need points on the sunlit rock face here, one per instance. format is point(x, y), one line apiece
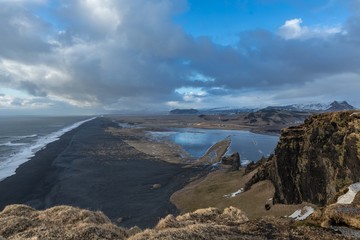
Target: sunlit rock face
point(314, 161)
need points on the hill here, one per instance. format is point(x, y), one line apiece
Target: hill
point(184, 111)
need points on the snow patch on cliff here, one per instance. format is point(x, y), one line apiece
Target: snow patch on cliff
point(348, 197)
point(303, 213)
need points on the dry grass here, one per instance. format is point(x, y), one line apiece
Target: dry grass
point(210, 190)
point(232, 223)
point(164, 150)
point(210, 223)
point(61, 222)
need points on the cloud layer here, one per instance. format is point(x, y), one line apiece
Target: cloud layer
point(130, 55)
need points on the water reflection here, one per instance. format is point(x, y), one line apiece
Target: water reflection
point(251, 146)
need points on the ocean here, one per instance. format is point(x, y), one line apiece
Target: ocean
point(22, 136)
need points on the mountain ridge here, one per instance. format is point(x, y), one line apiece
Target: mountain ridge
point(309, 107)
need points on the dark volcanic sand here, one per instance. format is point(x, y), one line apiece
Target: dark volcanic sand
point(92, 169)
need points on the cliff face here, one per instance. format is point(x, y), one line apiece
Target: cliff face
point(314, 161)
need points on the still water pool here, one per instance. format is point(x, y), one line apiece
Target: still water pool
point(196, 142)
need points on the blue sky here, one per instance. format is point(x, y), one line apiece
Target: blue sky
point(92, 56)
point(224, 20)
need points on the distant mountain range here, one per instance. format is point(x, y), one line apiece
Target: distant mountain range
point(313, 107)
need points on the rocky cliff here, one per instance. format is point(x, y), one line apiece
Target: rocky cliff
point(314, 161)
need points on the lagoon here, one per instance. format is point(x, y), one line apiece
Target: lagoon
point(195, 141)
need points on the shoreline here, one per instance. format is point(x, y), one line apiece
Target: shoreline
point(9, 167)
point(28, 175)
point(90, 168)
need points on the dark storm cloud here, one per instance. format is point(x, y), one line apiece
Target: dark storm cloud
point(32, 89)
point(22, 33)
point(130, 54)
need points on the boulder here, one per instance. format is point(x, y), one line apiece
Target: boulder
point(233, 160)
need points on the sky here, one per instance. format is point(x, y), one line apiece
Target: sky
point(66, 57)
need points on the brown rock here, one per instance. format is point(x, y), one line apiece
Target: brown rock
point(341, 214)
point(338, 215)
point(233, 160)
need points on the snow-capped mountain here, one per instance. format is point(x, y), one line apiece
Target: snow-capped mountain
point(315, 107)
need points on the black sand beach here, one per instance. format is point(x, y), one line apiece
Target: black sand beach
point(90, 168)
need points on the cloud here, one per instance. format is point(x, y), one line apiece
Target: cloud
point(292, 29)
point(326, 89)
point(131, 55)
point(191, 94)
point(11, 102)
point(22, 34)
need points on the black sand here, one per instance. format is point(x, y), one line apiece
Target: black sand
point(92, 169)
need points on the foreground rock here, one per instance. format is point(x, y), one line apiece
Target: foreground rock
point(316, 160)
point(339, 214)
point(64, 222)
point(232, 223)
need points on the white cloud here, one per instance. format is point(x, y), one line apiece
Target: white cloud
point(41, 74)
point(293, 29)
point(27, 103)
point(190, 94)
point(103, 14)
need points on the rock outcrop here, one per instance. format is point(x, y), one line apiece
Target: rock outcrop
point(233, 160)
point(314, 161)
point(68, 223)
point(61, 222)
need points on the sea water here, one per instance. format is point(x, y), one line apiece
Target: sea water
point(251, 146)
point(22, 136)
